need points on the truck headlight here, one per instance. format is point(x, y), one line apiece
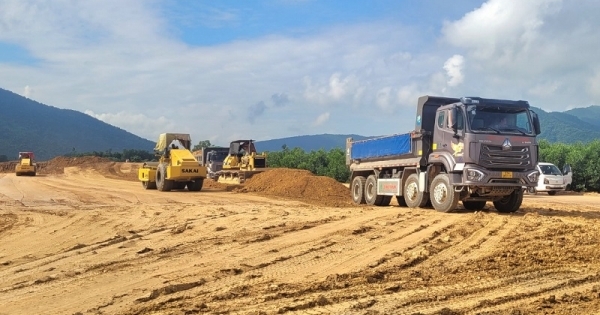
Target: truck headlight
point(533, 176)
point(474, 175)
point(546, 181)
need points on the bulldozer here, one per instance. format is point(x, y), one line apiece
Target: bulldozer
point(26, 165)
point(241, 163)
point(176, 168)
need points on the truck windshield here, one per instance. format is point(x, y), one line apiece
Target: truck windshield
point(218, 156)
point(494, 119)
point(550, 170)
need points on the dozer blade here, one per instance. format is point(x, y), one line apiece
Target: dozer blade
point(237, 177)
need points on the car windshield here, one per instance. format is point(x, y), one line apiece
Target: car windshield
point(494, 119)
point(550, 170)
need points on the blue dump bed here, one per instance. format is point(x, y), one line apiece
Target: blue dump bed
point(399, 144)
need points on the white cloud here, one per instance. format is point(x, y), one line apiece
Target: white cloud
point(122, 59)
point(28, 91)
point(383, 98)
point(453, 67)
point(149, 127)
point(323, 118)
point(539, 50)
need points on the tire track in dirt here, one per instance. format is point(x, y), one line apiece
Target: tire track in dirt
point(479, 243)
point(496, 295)
point(393, 244)
point(463, 298)
point(300, 264)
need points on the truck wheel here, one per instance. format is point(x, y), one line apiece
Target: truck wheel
point(401, 201)
point(510, 203)
point(385, 201)
point(195, 185)
point(371, 196)
point(162, 183)
point(474, 205)
point(552, 193)
point(358, 188)
point(442, 195)
point(412, 196)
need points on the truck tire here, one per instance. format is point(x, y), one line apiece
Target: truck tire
point(195, 185)
point(371, 196)
point(163, 184)
point(442, 195)
point(358, 188)
point(412, 196)
point(474, 205)
point(401, 201)
point(385, 201)
point(510, 203)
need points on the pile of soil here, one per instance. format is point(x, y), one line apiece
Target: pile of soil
point(57, 165)
point(299, 185)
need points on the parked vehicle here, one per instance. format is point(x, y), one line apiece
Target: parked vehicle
point(212, 158)
point(552, 180)
point(568, 174)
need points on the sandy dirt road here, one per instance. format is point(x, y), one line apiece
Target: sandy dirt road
point(82, 243)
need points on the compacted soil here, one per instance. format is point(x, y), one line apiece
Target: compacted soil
point(84, 237)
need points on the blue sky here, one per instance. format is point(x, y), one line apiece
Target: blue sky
point(269, 69)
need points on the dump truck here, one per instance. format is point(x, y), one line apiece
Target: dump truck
point(176, 167)
point(26, 164)
point(212, 158)
point(458, 151)
point(241, 163)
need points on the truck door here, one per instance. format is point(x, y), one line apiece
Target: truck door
point(444, 136)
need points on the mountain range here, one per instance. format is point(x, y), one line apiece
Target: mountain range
point(27, 125)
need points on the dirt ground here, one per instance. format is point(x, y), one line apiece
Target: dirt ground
point(83, 237)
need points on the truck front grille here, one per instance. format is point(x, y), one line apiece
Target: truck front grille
point(493, 157)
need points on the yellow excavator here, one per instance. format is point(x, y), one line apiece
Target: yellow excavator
point(177, 168)
point(26, 165)
point(241, 163)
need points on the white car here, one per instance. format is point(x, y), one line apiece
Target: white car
point(552, 180)
point(568, 174)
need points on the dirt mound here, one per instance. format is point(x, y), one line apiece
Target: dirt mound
point(299, 185)
point(8, 167)
point(57, 165)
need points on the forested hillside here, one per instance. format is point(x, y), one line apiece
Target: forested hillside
point(49, 131)
point(571, 126)
point(27, 125)
point(307, 143)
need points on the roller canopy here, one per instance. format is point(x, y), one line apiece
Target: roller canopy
point(166, 138)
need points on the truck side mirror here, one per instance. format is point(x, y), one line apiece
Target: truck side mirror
point(453, 115)
point(454, 118)
point(536, 123)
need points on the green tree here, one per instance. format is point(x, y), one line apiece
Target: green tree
point(201, 145)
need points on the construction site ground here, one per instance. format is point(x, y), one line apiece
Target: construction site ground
point(84, 237)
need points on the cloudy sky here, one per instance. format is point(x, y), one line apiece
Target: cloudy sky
point(269, 69)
